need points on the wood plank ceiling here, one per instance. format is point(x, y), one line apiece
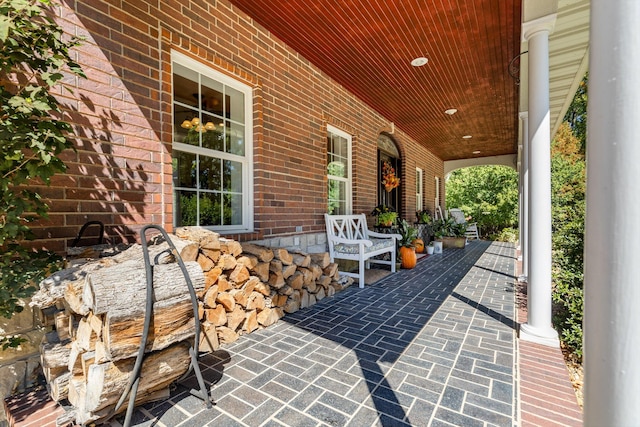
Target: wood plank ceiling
point(367, 46)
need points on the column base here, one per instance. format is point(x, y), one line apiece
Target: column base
point(547, 337)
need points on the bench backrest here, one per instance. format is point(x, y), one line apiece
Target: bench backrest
point(351, 227)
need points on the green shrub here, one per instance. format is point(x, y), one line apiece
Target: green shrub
point(568, 213)
point(507, 234)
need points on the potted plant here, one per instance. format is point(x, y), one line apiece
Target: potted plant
point(423, 216)
point(385, 215)
point(450, 233)
point(408, 257)
point(438, 234)
point(423, 224)
point(430, 248)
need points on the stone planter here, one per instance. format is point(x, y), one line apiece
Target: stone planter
point(454, 242)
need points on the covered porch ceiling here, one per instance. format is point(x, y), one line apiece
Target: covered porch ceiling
point(473, 66)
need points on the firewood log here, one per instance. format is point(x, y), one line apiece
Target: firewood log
point(251, 321)
point(205, 262)
point(59, 386)
point(226, 300)
point(276, 280)
point(228, 246)
point(288, 270)
point(216, 316)
point(269, 316)
point(239, 275)
point(296, 280)
point(227, 335)
point(256, 301)
point(227, 262)
point(206, 239)
point(208, 339)
point(264, 254)
point(322, 259)
point(173, 321)
point(283, 255)
point(261, 270)
point(301, 260)
point(105, 382)
point(128, 292)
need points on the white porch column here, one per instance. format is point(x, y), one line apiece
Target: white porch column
point(524, 226)
point(538, 327)
point(612, 251)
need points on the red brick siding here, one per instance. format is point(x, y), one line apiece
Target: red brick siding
point(121, 172)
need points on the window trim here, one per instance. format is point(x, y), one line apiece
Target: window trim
point(437, 198)
point(247, 225)
point(349, 180)
point(419, 189)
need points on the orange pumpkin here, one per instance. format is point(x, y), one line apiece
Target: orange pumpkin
point(408, 257)
point(419, 245)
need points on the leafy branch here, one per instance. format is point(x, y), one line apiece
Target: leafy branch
point(34, 57)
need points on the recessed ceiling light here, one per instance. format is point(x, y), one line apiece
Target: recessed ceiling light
point(476, 152)
point(419, 62)
point(450, 111)
point(467, 137)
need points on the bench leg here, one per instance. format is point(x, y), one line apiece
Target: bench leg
point(393, 261)
point(361, 274)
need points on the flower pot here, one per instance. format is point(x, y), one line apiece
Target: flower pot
point(430, 250)
point(454, 242)
point(437, 247)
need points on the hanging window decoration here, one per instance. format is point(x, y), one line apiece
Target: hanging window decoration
point(389, 178)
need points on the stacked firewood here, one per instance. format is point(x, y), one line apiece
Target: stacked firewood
point(97, 308)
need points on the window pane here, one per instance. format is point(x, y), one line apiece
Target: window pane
point(337, 197)
point(184, 169)
point(232, 209)
point(232, 176)
point(186, 208)
point(235, 105)
point(212, 133)
point(182, 117)
point(235, 138)
point(210, 178)
point(209, 209)
point(212, 96)
point(337, 168)
point(185, 86)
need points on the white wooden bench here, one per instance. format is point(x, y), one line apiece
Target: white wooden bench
point(349, 238)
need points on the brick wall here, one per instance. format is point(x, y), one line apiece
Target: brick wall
point(121, 171)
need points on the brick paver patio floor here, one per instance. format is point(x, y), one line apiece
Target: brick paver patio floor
point(434, 345)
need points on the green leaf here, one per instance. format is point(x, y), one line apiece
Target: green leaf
point(5, 26)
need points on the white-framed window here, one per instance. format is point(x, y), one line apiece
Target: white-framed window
point(339, 171)
point(436, 202)
point(212, 148)
point(419, 189)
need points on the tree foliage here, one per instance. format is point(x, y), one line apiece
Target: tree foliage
point(576, 115)
point(34, 55)
point(488, 194)
point(568, 188)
